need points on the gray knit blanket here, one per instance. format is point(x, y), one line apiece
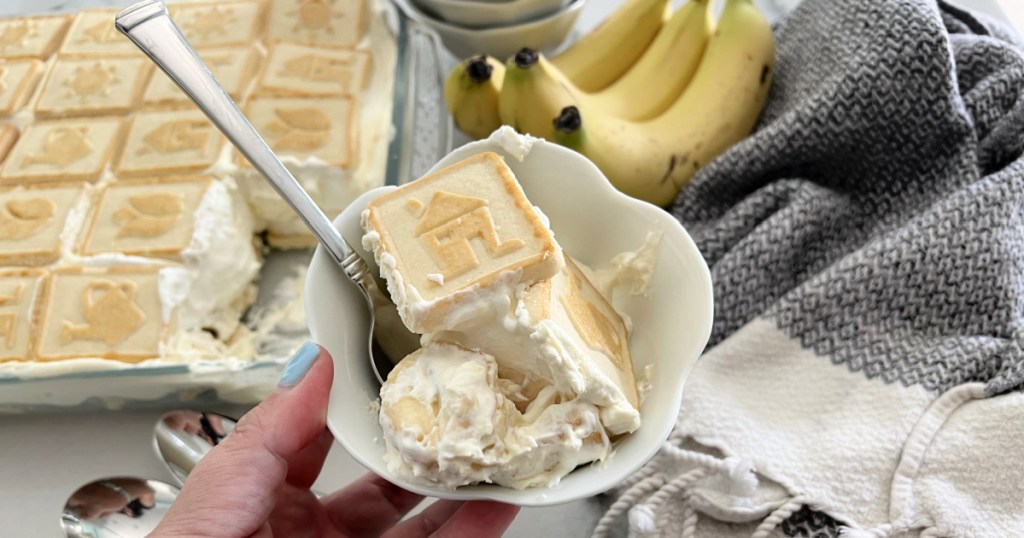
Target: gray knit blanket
point(865, 372)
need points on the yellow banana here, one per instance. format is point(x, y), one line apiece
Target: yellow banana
point(536, 91)
point(471, 92)
point(665, 69)
point(652, 160)
point(603, 55)
point(533, 94)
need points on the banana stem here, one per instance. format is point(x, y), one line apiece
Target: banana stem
point(526, 58)
point(569, 120)
point(478, 69)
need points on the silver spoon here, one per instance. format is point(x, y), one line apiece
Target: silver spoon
point(122, 506)
point(149, 26)
point(182, 438)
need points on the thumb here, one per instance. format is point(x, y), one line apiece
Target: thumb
point(232, 490)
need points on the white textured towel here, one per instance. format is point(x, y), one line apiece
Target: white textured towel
point(865, 373)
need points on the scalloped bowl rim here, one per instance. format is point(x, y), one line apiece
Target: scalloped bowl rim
point(572, 9)
point(336, 313)
point(483, 15)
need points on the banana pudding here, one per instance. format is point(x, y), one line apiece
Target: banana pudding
point(524, 371)
point(129, 226)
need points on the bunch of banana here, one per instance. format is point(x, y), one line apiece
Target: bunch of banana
point(592, 63)
point(471, 93)
point(535, 90)
point(653, 159)
point(602, 56)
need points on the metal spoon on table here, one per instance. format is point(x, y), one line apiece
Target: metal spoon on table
point(182, 438)
point(149, 26)
point(122, 506)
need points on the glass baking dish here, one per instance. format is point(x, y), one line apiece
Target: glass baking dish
point(422, 133)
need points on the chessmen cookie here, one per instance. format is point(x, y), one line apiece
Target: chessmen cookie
point(314, 138)
point(333, 23)
point(200, 224)
point(460, 234)
point(31, 37)
point(570, 310)
point(320, 129)
point(153, 218)
point(92, 32)
point(235, 67)
point(561, 333)
point(215, 24)
point(8, 136)
point(33, 222)
point(110, 313)
point(169, 142)
point(93, 86)
point(19, 292)
point(74, 149)
point(299, 70)
point(18, 80)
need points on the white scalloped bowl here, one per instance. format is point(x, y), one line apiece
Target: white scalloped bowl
point(477, 14)
point(545, 33)
point(593, 222)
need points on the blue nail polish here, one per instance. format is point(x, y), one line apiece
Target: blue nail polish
point(299, 364)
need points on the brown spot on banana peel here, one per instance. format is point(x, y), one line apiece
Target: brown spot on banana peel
point(765, 71)
point(673, 160)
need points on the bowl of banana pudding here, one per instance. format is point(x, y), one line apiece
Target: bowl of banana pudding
point(557, 321)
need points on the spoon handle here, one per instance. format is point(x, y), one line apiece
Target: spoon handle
point(149, 26)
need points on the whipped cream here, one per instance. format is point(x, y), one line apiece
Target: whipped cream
point(450, 420)
point(522, 376)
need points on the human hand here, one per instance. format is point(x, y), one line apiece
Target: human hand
point(256, 481)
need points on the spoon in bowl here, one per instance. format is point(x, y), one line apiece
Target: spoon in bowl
point(123, 506)
point(150, 27)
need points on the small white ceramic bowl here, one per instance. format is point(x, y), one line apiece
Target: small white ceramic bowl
point(593, 222)
point(544, 34)
point(477, 14)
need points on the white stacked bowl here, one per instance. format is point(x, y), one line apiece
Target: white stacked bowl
point(497, 28)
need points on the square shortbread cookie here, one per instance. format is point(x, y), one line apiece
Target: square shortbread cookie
point(302, 128)
point(93, 32)
point(145, 217)
point(93, 86)
point(32, 220)
point(18, 80)
point(19, 293)
point(222, 23)
point(461, 228)
point(335, 23)
point(169, 142)
point(234, 68)
point(572, 302)
point(31, 37)
point(299, 70)
point(76, 149)
point(113, 313)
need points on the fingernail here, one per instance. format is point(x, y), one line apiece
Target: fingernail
point(298, 365)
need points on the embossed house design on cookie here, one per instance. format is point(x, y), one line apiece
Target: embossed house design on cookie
point(465, 226)
point(448, 224)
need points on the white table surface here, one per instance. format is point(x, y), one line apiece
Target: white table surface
point(44, 457)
